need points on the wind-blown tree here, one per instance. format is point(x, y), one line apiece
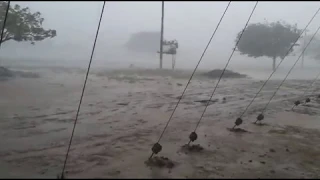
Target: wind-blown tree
point(268, 39)
point(23, 25)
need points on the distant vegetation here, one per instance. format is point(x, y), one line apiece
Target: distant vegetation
point(268, 39)
point(216, 73)
point(22, 25)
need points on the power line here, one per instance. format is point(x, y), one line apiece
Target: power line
point(157, 144)
point(4, 23)
point(314, 83)
point(311, 85)
point(287, 74)
point(193, 133)
point(296, 103)
point(83, 89)
point(278, 65)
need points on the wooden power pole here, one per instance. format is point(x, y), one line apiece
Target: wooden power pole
point(161, 36)
point(304, 45)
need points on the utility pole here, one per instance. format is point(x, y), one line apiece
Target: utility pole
point(304, 44)
point(161, 36)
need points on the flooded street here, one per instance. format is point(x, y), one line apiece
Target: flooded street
point(123, 115)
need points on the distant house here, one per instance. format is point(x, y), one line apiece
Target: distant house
point(146, 42)
point(149, 43)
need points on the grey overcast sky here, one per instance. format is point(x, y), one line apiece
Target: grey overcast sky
point(191, 23)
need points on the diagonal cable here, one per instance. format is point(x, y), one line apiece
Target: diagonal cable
point(311, 85)
point(194, 71)
point(83, 89)
point(4, 23)
point(254, 8)
point(264, 109)
point(278, 64)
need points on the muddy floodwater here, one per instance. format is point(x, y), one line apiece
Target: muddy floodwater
point(123, 115)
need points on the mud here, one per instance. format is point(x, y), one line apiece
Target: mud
point(238, 130)
point(216, 73)
point(120, 120)
point(160, 162)
point(192, 148)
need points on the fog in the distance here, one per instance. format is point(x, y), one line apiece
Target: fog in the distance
point(191, 23)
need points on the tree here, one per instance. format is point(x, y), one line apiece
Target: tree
point(22, 25)
point(268, 39)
